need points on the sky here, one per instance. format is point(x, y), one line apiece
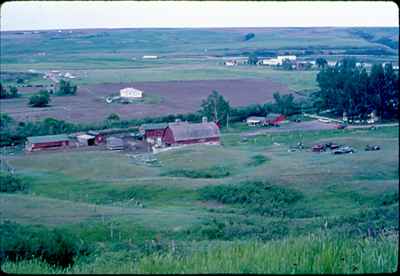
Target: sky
point(40, 15)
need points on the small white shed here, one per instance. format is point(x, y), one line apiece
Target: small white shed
point(131, 92)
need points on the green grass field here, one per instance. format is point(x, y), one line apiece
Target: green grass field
point(90, 193)
point(247, 206)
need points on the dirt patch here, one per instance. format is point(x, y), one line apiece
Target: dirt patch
point(176, 97)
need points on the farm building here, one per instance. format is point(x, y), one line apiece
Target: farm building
point(45, 142)
point(274, 119)
point(255, 121)
point(150, 57)
point(131, 93)
point(153, 131)
point(270, 62)
point(114, 143)
point(183, 133)
point(86, 140)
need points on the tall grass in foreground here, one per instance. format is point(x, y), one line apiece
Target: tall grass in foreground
point(311, 254)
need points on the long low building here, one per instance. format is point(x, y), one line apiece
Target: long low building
point(45, 142)
point(183, 133)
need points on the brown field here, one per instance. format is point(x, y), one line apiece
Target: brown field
point(172, 97)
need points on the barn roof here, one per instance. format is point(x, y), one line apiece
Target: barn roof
point(272, 116)
point(186, 131)
point(47, 138)
point(154, 126)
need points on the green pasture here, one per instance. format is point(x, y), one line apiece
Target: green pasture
point(113, 204)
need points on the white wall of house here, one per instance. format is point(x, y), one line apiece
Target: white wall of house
point(131, 93)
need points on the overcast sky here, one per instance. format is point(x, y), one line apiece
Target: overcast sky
point(36, 15)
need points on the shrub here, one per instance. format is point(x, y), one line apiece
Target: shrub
point(255, 197)
point(211, 172)
point(10, 183)
point(113, 117)
point(257, 160)
point(66, 88)
point(40, 99)
point(56, 247)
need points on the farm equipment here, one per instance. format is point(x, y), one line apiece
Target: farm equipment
point(331, 146)
point(341, 126)
point(372, 147)
point(318, 148)
point(299, 146)
point(343, 150)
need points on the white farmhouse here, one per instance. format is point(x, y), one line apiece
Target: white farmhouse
point(282, 58)
point(131, 93)
point(270, 62)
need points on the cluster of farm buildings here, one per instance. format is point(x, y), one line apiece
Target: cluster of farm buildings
point(161, 135)
point(294, 62)
point(155, 135)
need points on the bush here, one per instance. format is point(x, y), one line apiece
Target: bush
point(40, 99)
point(56, 247)
point(254, 197)
point(11, 93)
point(10, 183)
point(257, 160)
point(211, 172)
point(66, 88)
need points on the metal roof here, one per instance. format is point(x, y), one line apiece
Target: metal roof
point(47, 138)
point(183, 131)
point(154, 126)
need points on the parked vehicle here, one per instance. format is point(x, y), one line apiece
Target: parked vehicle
point(324, 120)
point(331, 145)
point(341, 126)
point(318, 148)
point(372, 147)
point(343, 150)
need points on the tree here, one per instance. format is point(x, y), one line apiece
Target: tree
point(253, 59)
point(321, 62)
point(287, 64)
point(11, 93)
point(216, 108)
point(40, 99)
point(284, 104)
point(347, 88)
point(66, 88)
point(3, 92)
point(113, 117)
point(249, 36)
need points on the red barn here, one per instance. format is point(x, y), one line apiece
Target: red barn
point(153, 131)
point(274, 119)
point(48, 141)
point(182, 133)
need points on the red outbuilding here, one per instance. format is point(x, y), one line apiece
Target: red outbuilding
point(274, 119)
point(181, 133)
point(45, 142)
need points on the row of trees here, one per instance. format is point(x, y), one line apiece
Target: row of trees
point(351, 89)
point(217, 109)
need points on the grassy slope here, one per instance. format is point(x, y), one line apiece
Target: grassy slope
point(311, 254)
point(89, 192)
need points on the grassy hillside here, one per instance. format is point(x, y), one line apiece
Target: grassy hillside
point(319, 253)
point(244, 198)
